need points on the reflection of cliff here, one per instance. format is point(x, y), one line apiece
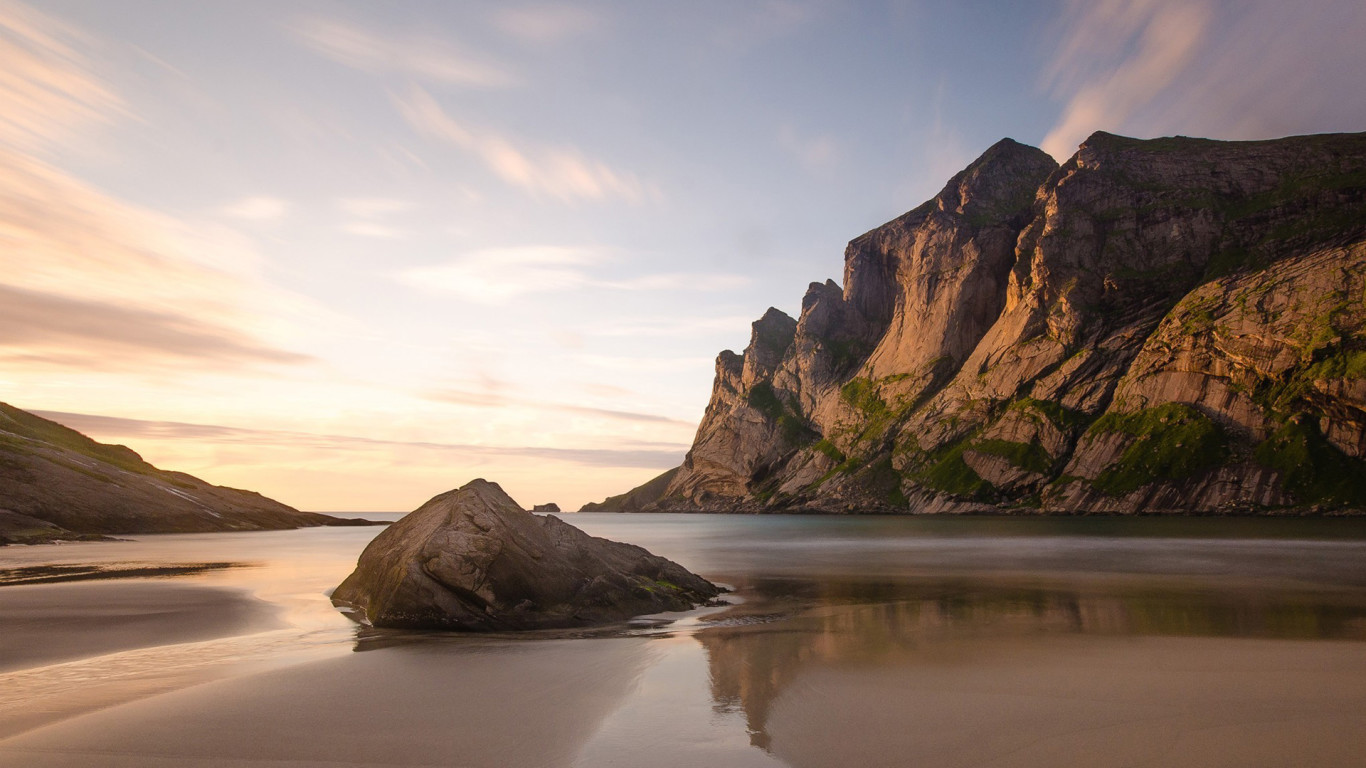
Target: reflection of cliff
point(756, 650)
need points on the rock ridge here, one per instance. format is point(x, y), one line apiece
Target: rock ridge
point(1172, 325)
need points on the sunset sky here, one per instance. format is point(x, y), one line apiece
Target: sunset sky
point(353, 254)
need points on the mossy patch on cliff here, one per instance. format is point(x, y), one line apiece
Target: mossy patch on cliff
point(1171, 442)
point(944, 470)
point(791, 426)
point(1311, 468)
point(1060, 416)
point(1027, 456)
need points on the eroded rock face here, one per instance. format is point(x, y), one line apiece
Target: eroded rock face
point(472, 559)
point(1173, 325)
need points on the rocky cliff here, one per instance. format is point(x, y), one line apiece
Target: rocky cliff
point(56, 483)
point(1174, 325)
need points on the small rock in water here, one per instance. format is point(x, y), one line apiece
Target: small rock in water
point(472, 559)
point(546, 508)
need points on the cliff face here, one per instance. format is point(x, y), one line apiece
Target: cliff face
point(56, 483)
point(1166, 325)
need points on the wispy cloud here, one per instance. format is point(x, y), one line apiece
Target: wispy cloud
point(1245, 70)
point(109, 427)
point(373, 207)
point(424, 56)
point(1115, 58)
point(259, 208)
point(117, 335)
point(373, 229)
point(369, 213)
point(90, 281)
point(497, 275)
point(46, 85)
point(493, 400)
point(563, 173)
point(546, 22)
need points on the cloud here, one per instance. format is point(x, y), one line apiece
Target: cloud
point(110, 427)
point(671, 327)
point(423, 56)
point(48, 92)
point(679, 281)
point(1234, 70)
point(1115, 58)
point(373, 207)
point(494, 400)
point(563, 173)
point(371, 229)
point(497, 275)
point(84, 274)
point(256, 209)
point(107, 335)
point(546, 23)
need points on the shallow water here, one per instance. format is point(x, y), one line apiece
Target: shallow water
point(853, 641)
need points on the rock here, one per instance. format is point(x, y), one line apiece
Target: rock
point(82, 488)
point(472, 559)
point(546, 509)
point(1016, 342)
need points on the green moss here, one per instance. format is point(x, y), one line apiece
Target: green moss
point(828, 448)
point(793, 429)
point(1062, 417)
point(882, 478)
point(1027, 456)
point(1311, 468)
point(944, 470)
point(763, 399)
point(1173, 441)
point(847, 354)
point(861, 394)
point(1293, 391)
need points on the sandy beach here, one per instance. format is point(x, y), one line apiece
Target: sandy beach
point(814, 667)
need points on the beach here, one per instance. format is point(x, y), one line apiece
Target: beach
point(849, 642)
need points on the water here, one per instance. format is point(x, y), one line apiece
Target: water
point(851, 641)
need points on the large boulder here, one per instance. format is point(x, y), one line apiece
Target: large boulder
point(472, 559)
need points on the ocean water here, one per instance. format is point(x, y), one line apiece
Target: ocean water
point(847, 641)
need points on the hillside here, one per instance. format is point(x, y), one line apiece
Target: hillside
point(56, 483)
point(1167, 326)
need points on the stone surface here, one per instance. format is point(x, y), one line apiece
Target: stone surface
point(81, 488)
point(472, 559)
point(1171, 325)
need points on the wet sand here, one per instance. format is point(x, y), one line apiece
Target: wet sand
point(59, 622)
point(487, 705)
point(1198, 702)
point(1042, 701)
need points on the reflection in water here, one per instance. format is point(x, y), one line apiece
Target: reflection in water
point(755, 650)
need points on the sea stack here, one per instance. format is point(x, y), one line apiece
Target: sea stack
point(473, 560)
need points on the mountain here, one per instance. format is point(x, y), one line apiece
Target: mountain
point(56, 483)
point(1174, 325)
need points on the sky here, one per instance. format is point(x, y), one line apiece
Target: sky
point(353, 254)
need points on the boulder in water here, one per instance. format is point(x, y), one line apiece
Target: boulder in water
point(472, 559)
